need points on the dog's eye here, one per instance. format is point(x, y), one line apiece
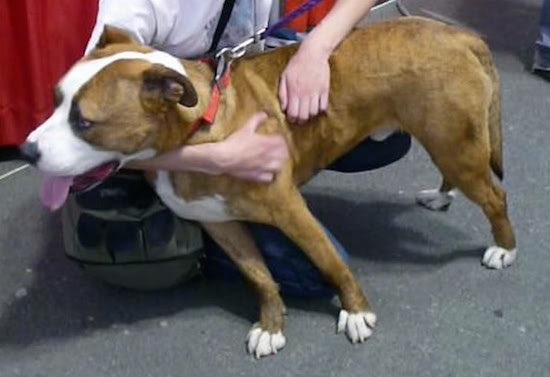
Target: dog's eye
point(83, 124)
point(77, 121)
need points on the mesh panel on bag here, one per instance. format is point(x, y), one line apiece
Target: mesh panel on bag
point(121, 233)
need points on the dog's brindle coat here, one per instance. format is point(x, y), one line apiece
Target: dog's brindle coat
point(432, 80)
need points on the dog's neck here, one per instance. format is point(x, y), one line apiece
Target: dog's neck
point(178, 130)
point(252, 77)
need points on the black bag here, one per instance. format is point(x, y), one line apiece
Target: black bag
point(121, 232)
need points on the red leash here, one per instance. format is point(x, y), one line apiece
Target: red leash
point(225, 56)
point(209, 115)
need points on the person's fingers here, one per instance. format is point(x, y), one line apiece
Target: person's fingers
point(255, 121)
point(284, 153)
point(283, 94)
point(314, 104)
point(293, 109)
point(256, 176)
point(266, 177)
point(323, 102)
point(275, 160)
point(303, 114)
point(274, 165)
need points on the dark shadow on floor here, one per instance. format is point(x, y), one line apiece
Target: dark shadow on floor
point(61, 300)
point(372, 230)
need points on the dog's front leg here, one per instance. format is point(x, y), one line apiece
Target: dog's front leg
point(296, 221)
point(266, 337)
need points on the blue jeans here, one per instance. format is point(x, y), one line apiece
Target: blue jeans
point(542, 45)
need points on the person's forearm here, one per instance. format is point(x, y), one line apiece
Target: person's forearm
point(244, 154)
point(344, 15)
point(196, 158)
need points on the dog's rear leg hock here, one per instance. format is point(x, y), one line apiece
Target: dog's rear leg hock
point(504, 252)
point(266, 337)
point(437, 199)
point(356, 318)
point(479, 187)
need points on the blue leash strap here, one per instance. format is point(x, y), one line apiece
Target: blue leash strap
point(306, 6)
point(230, 53)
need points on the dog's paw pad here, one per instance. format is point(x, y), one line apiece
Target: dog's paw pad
point(357, 326)
point(498, 258)
point(435, 200)
point(263, 343)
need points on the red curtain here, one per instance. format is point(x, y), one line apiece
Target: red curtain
point(39, 41)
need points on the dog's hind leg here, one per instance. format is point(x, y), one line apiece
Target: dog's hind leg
point(356, 318)
point(469, 170)
point(492, 200)
point(437, 199)
point(266, 337)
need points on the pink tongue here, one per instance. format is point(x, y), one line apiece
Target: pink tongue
point(54, 191)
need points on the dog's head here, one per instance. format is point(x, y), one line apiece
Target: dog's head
point(110, 107)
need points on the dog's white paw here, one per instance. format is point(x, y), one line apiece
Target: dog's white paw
point(262, 343)
point(435, 200)
point(498, 258)
point(358, 326)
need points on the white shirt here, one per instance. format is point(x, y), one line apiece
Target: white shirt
point(183, 28)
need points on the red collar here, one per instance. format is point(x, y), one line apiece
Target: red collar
point(209, 114)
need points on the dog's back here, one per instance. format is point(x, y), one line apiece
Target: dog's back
point(378, 75)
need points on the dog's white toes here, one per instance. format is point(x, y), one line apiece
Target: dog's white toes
point(358, 326)
point(498, 258)
point(262, 343)
point(435, 200)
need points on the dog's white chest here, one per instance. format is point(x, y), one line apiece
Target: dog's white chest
point(207, 209)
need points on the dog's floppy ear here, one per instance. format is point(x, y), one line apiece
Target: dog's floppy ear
point(163, 86)
point(113, 35)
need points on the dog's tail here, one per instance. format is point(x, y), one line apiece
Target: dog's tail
point(483, 54)
point(495, 123)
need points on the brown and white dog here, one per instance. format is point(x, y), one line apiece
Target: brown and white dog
point(125, 101)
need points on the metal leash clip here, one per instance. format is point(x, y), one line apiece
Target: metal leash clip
point(223, 61)
point(226, 55)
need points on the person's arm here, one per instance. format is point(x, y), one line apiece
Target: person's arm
point(244, 154)
point(304, 86)
point(136, 17)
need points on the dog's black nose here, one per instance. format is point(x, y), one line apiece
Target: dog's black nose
point(29, 152)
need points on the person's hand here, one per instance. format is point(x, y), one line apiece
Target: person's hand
point(304, 85)
point(249, 155)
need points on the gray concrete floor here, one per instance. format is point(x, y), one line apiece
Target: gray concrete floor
point(440, 313)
